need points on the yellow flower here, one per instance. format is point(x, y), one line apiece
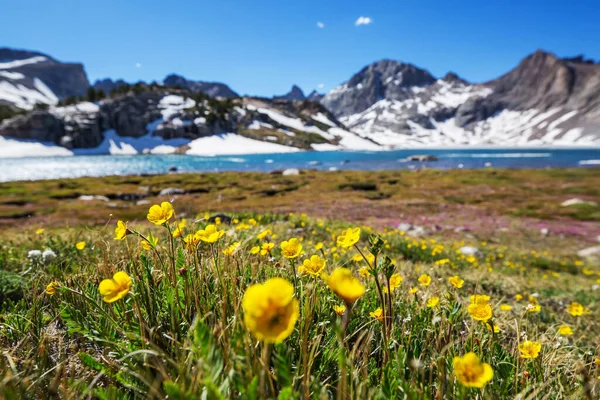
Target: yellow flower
point(264, 234)
point(480, 299)
point(413, 290)
point(472, 372)
point(146, 245)
point(51, 288)
point(533, 308)
point(345, 285)
point(377, 314)
point(121, 230)
point(480, 311)
point(80, 245)
point(456, 281)
point(395, 281)
point(597, 361)
point(266, 248)
point(210, 234)
point(339, 310)
point(575, 309)
point(178, 232)
point(505, 307)
point(357, 258)
point(291, 248)
point(319, 246)
point(349, 237)
point(312, 266)
point(115, 288)
point(159, 215)
point(39, 231)
point(270, 310)
point(530, 349)
point(518, 297)
point(565, 330)
point(191, 239)
point(364, 272)
point(255, 250)
point(229, 250)
point(432, 302)
point(494, 328)
point(425, 280)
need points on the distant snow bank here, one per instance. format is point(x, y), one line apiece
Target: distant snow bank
point(230, 143)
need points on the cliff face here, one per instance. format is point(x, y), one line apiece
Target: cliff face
point(28, 78)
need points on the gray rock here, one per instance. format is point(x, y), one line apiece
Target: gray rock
point(470, 251)
point(422, 158)
point(590, 253)
point(291, 171)
point(171, 191)
point(576, 201)
point(93, 197)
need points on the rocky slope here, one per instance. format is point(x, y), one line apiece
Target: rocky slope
point(543, 101)
point(28, 78)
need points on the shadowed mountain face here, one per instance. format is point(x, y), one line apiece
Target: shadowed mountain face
point(213, 89)
point(544, 100)
point(28, 78)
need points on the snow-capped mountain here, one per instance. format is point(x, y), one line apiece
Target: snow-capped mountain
point(28, 78)
point(543, 101)
point(164, 120)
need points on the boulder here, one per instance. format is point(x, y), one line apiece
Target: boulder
point(291, 171)
point(422, 158)
point(576, 201)
point(171, 191)
point(590, 253)
point(470, 251)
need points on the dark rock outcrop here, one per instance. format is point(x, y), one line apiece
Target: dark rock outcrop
point(212, 89)
point(295, 94)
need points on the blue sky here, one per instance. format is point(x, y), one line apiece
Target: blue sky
point(263, 47)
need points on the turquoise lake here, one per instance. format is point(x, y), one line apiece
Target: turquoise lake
point(34, 168)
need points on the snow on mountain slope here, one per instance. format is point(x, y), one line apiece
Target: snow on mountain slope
point(543, 101)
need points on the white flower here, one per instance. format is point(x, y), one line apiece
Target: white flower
point(436, 320)
point(34, 255)
point(48, 256)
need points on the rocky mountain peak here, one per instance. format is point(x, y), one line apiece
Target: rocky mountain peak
point(385, 79)
point(454, 78)
point(295, 94)
point(314, 96)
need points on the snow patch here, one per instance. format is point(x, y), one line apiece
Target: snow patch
point(20, 63)
point(232, 144)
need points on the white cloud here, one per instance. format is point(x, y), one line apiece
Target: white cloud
point(320, 25)
point(138, 65)
point(363, 21)
point(321, 85)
